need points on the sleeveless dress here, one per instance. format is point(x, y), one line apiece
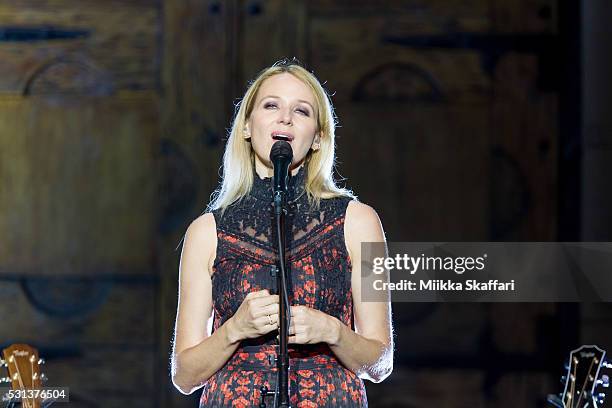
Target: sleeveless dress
point(319, 272)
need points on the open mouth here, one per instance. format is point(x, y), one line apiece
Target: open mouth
point(282, 136)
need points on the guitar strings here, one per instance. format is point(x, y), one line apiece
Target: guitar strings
point(25, 400)
point(585, 380)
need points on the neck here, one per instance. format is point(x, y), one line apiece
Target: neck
point(264, 171)
point(262, 183)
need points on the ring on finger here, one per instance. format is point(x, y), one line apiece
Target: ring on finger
point(270, 319)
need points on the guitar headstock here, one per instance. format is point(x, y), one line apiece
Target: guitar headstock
point(23, 365)
point(582, 379)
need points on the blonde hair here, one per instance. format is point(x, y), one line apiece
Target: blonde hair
point(238, 159)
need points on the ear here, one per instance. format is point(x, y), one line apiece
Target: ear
point(316, 143)
point(246, 131)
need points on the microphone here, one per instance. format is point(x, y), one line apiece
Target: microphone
point(281, 156)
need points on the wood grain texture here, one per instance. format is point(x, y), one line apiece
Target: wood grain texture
point(420, 17)
point(122, 41)
point(338, 43)
point(197, 104)
point(423, 169)
point(420, 388)
point(524, 16)
point(78, 184)
point(107, 377)
point(525, 128)
point(124, 318)
point(279, 27)
point(105, 358)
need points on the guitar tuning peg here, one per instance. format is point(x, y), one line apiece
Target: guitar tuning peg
point(563, 379)
point(41, 361)
point(43, 377)
point(3, 363)
point(600, 397)
point(604, 381)
point(5, 380)
point(606, 364)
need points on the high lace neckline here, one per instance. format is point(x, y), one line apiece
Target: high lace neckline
point(296, 186)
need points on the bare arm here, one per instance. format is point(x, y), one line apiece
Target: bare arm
point(368, 351)
point(197, 354)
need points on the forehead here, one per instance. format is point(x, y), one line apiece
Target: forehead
point(287, 86)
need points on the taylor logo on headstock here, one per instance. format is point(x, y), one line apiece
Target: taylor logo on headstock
point(24, 376)
point(584, 379)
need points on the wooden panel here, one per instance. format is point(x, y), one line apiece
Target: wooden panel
point(433, 331)
point(197, 105)
point(106, 377)
point(433, 16)
point(516, 327)
point(78, 184)
point(596, 325)
point(106, 357)
point(123, 315)
point(524, 140)
point(348, 51)
point(525, 16)
point(524, 195)
point(423, 168)
point(412, 116)
point(412, 388)
point(119, 41)
point(524, 390)
point(278, 26)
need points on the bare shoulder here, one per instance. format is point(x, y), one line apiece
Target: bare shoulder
point(361, 224)
point(201, 238)
point(202, 227)
point(361, 218)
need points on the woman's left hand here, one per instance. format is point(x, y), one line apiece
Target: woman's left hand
point(309, 326)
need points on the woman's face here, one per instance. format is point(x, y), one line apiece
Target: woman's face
point(284, 110)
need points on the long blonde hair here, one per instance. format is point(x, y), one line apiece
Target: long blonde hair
point(238, 159)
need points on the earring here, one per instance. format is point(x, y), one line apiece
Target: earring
point(247, 135)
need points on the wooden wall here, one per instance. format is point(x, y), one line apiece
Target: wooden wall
point(113, 117)
point(79, 157)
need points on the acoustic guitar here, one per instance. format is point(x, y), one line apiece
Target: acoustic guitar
point(583, 380)
point(23, 365)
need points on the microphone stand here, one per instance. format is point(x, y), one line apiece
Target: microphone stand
point(282, 362)
point(281, 393)
point(281, 155)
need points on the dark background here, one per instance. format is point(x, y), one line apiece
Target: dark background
point(473, 120)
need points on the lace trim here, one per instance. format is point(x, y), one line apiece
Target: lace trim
point(262, 188)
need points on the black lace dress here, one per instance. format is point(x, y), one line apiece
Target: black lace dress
point(320, 278)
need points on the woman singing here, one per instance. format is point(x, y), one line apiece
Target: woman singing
point(228, 264)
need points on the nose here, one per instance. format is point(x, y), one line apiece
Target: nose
point(285, 116)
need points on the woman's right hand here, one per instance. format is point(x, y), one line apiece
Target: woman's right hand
point(251, 319)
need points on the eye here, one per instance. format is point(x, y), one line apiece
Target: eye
point(303, 111)
point(268, 104)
